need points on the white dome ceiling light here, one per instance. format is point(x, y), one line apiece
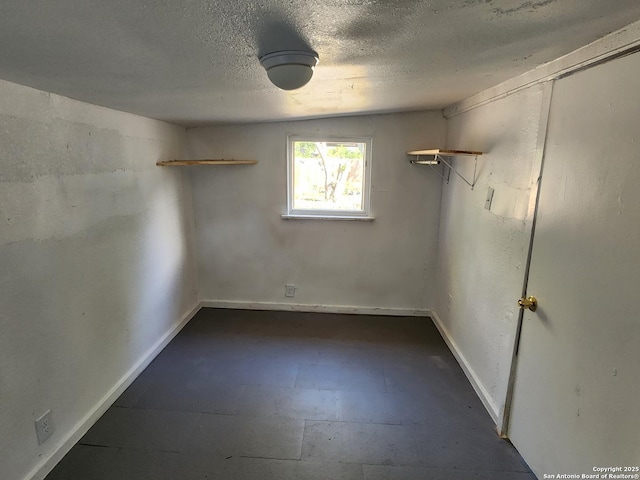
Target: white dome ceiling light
point(289, 69)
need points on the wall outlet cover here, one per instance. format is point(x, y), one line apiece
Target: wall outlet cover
point(44, 427)
point(289, 290)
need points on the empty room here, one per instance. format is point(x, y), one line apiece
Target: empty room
point(337, 240)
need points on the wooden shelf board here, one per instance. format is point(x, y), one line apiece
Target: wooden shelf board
point(180, 163)
point(444, 153)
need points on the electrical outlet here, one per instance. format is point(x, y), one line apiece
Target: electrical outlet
point(44, 427)
point(289, 290)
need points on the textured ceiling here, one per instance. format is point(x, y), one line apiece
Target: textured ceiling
point(196, 62)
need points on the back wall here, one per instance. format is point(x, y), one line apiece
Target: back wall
point(247, 252)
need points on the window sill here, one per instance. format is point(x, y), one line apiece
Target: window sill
point(328, 217)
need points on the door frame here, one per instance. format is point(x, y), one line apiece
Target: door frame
point(532, 214)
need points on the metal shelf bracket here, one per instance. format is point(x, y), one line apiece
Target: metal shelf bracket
point(471, 183)
point(437, 157)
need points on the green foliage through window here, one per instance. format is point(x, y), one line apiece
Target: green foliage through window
point(329, 175)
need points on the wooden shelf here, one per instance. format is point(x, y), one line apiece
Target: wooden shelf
point(445, 153)
point(182, 163)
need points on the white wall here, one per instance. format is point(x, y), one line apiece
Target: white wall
point(482, 253)
point(247, 252)
point(95, 266)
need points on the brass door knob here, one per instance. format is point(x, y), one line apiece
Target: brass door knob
point(529, 302)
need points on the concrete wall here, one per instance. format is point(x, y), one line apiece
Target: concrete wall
point(247, 252)
point(95, 269)
point(482, 253)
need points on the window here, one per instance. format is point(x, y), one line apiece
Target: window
point(329, 177)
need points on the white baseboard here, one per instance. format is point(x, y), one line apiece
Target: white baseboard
point(466, 368)
point(45, 466)
point(301, 307)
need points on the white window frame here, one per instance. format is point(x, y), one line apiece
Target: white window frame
point(364, 214)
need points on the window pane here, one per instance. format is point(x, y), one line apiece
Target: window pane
point(328, 175)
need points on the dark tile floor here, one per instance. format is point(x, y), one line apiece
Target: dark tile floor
point(244, 395)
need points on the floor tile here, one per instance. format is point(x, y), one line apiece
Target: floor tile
point(132, 394)
point(268, 437)
point(254, 371)
point(430, 409)
point(305, 404)
point(268, 469)
point(420, 373)
point(383, 472)
point(204, 465)
point(173, 365)
point(341, 377)
point(387, 407)
point(84, 462)
point(122, 464)
point(141, 429)
point(362, 356)
point(411, 445)
point(143, 465)
point(167, 369)
point(191, 395)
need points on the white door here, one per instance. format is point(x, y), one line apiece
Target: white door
point(576, 403)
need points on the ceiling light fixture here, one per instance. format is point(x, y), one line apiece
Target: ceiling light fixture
point(289, 69)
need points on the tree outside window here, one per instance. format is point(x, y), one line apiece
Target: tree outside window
point(329, 175)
